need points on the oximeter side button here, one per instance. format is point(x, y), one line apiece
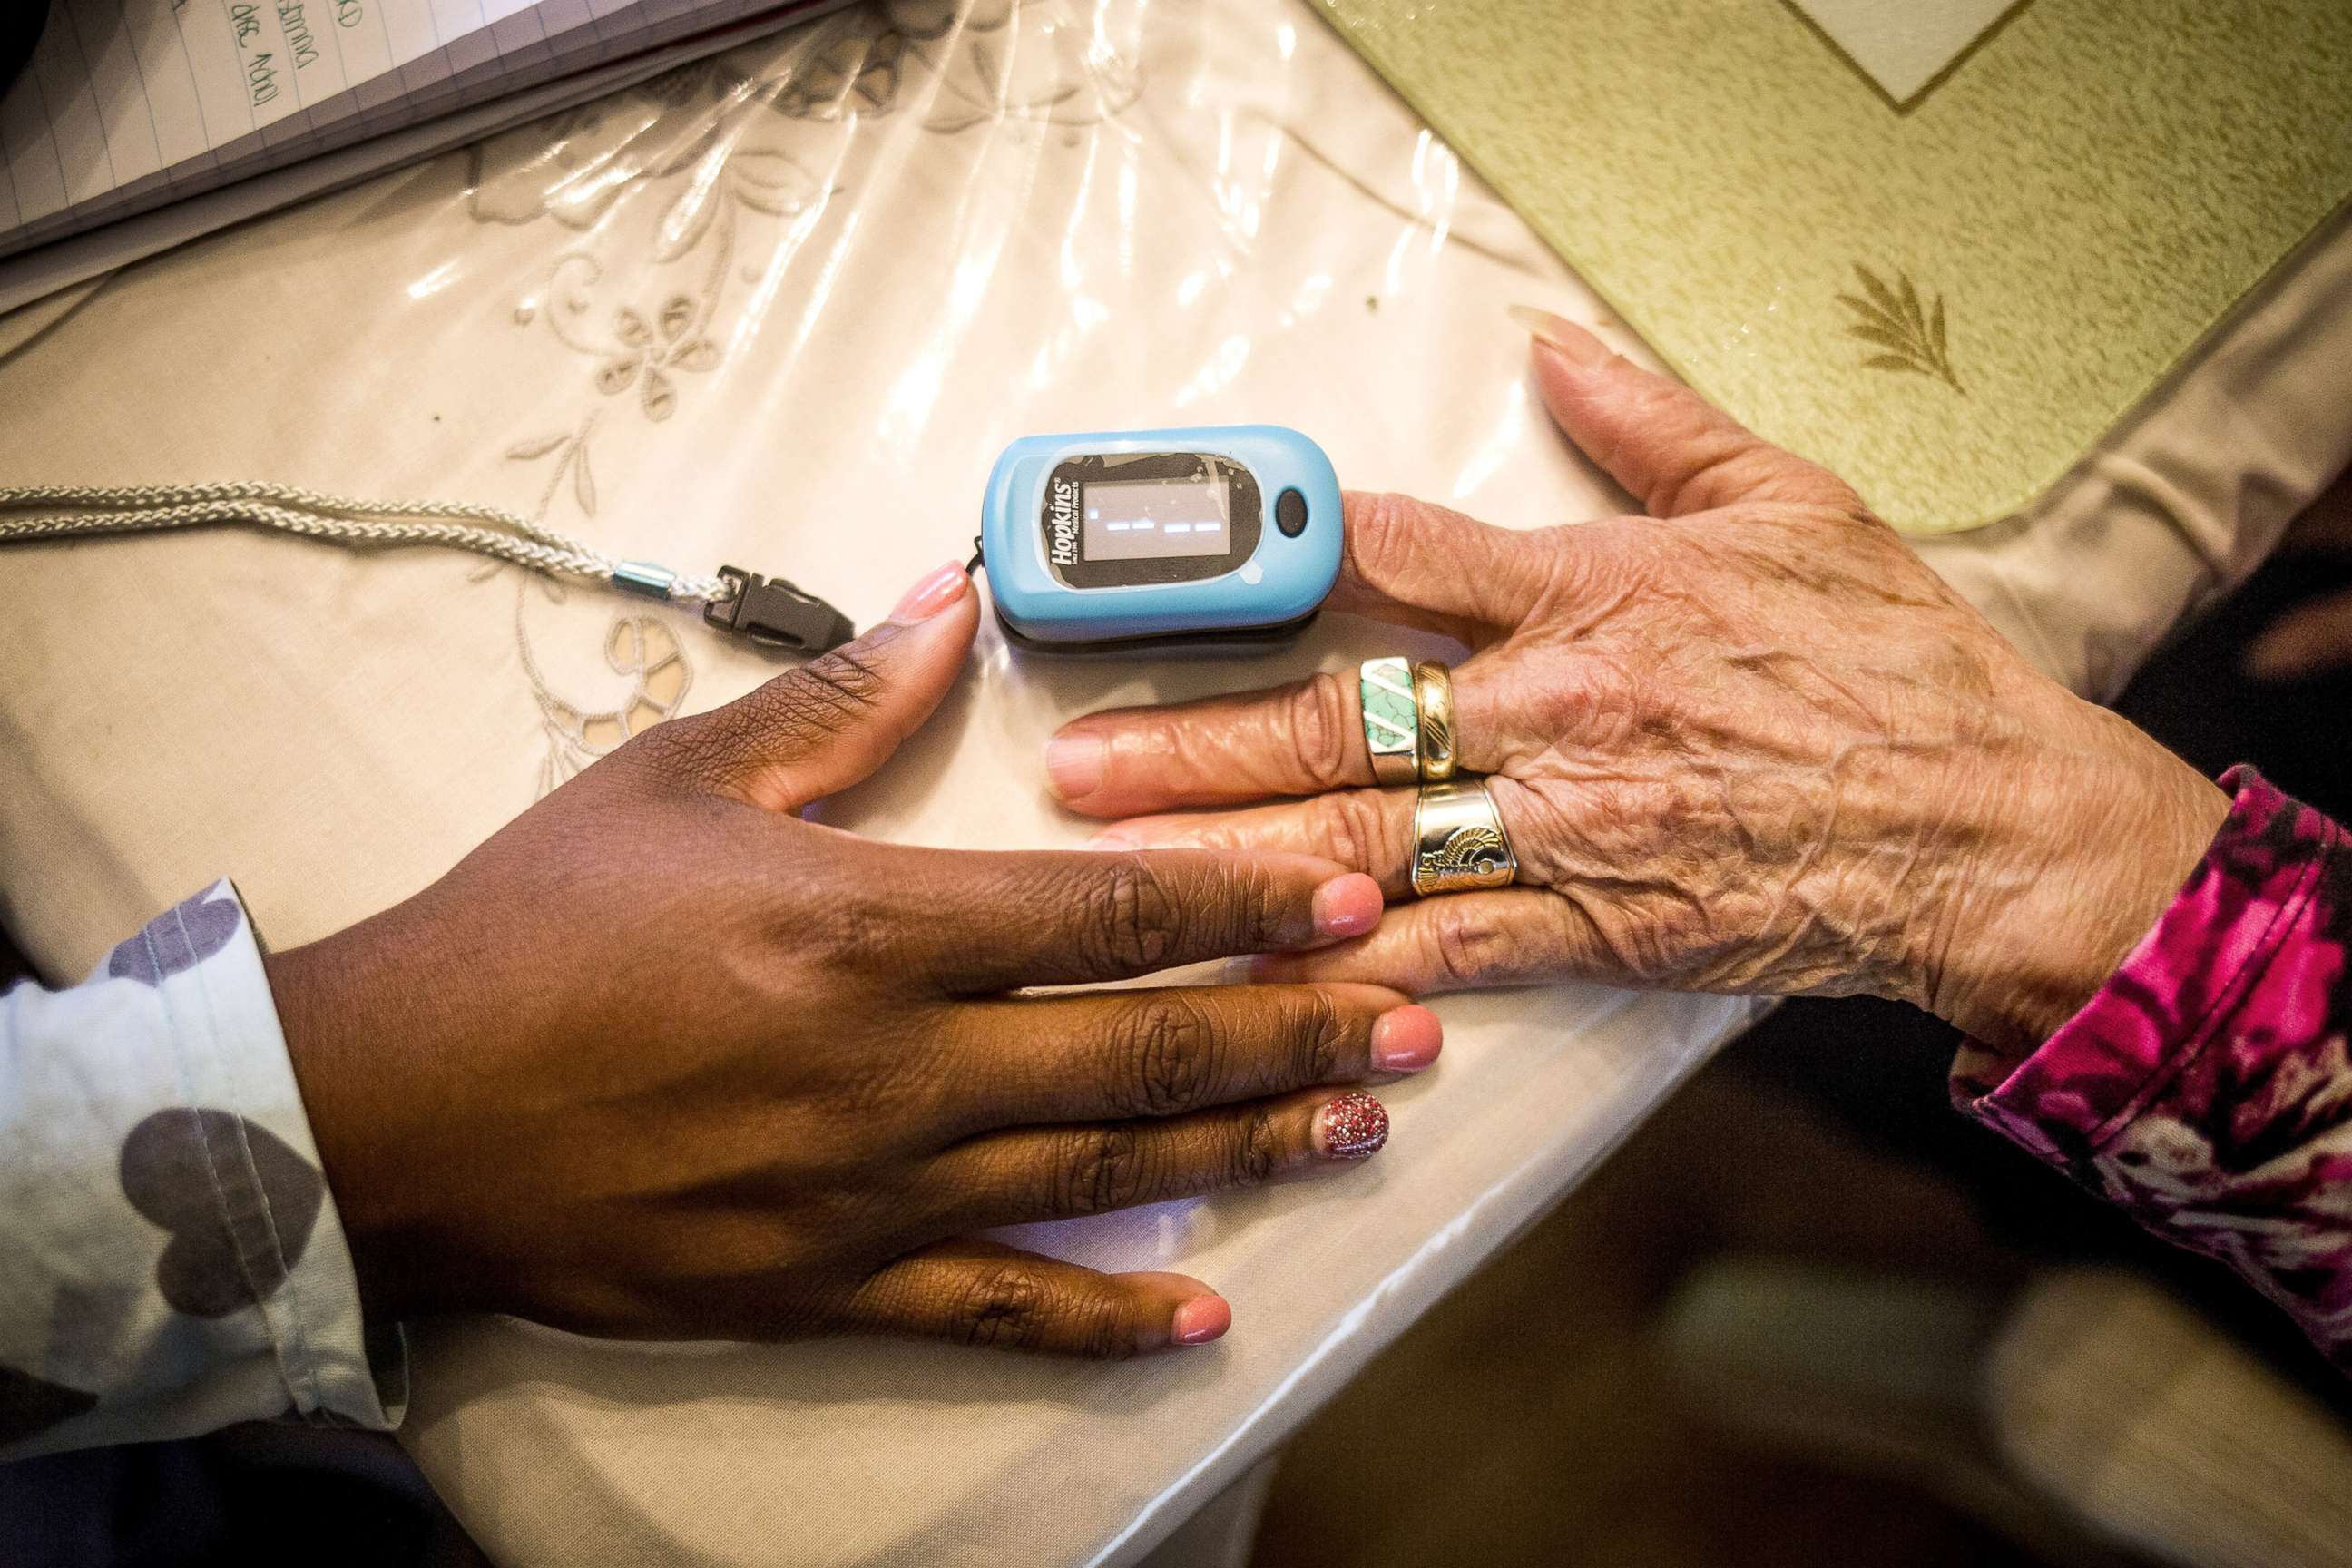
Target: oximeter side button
point(1290, 513)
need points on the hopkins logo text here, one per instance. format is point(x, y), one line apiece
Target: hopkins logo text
point(1062, 523)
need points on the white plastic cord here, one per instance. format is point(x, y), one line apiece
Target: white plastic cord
point(91, 510)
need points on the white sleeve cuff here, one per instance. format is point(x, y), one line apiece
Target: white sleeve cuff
point(171, 1259)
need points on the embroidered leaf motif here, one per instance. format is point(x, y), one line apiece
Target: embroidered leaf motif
point(659, 397)
point(618, 375)
point(524, 451)
point(770, 181)
point(1894, 319)
point(685, 224)
point(584, 488)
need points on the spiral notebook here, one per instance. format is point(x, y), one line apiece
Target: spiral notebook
point(130, 106)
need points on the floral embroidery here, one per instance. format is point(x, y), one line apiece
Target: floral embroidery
point(649, 354)
point(571, 454)
point(644, 651)
point(740, 152)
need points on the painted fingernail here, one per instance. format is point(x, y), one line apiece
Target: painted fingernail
point(1579, 346)
point(1352, 1127)
point(1074, 764)
point(1347, 906)
point(938, 589)
point(1201, 1320)
point(1406, 1040)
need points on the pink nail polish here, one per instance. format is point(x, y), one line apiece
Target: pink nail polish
point(940, 588)
point(1201, 1320)
point(1347, 906)
point(1575, 344)
point(1406, 1040)
point(1352, 1127)
point(1074, 764)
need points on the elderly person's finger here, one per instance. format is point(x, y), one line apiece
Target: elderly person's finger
point(1302, 738)
point(1371, 830)
point(1510, 936)
point(1368, 829)
point(1422, 565)
point(1672, 449)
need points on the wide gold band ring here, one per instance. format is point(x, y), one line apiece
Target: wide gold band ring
point(1458, 842)
point(1433, 699)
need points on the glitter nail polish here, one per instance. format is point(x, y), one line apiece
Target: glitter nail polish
point(1354, 1126)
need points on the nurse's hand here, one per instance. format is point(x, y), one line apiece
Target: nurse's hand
point(663, 1059)
point(1742, 739)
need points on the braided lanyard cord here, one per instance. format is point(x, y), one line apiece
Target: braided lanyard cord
point(767, 611)
point(91, 510)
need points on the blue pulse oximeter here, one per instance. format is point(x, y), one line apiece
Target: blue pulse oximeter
point(1149, 538)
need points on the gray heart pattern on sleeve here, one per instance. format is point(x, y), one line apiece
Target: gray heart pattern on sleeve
point(165, 1202)
point(179, 938)
point(30, 1405)
point(237, 1204)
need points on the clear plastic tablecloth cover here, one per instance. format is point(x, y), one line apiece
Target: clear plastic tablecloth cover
point(781, 309)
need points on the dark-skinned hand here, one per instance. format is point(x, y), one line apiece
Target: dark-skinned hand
point(663, 1059)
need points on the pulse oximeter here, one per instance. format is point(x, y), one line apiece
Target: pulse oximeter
point(1149, 538)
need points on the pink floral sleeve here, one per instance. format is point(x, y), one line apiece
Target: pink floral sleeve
point(2206, 1088)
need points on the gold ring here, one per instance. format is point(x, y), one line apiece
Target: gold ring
point(1432, 698)
point(1392, 718)
point(1458, 842)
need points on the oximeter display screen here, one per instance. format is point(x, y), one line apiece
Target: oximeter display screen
point(1128, 520)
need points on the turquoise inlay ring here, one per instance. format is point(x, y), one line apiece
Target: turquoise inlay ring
point(1392, 718)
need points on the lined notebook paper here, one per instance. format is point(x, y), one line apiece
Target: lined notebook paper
point(129, 105)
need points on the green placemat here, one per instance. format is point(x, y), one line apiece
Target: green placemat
point(1945, 280)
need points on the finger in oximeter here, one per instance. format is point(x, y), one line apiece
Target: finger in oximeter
point(1141, 538)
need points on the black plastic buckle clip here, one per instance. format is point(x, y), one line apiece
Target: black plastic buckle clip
point(774, 614)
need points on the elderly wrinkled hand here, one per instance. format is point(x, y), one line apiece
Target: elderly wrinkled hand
point(1741, 741)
